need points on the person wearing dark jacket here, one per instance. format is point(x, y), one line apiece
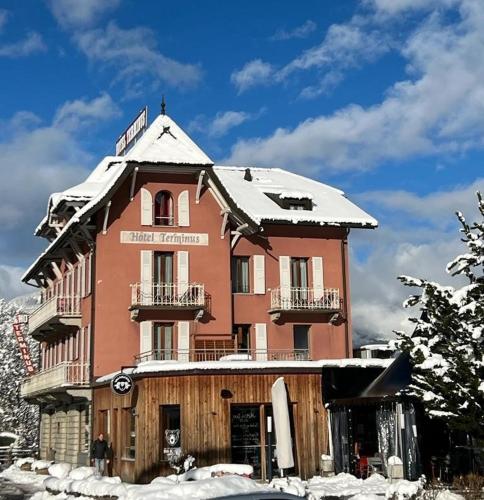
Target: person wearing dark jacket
point(99, 451)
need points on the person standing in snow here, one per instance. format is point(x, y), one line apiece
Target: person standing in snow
point(99, 451)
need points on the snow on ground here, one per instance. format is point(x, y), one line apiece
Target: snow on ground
point(81, 483)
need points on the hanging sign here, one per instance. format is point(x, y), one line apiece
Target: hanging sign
point(20, 320)
point(122, 384)
point(133, 132)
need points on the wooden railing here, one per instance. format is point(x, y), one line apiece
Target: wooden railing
point(191, 295)
point(66, 373)
point(305, 298)
point(57, 306)
point(221, 354)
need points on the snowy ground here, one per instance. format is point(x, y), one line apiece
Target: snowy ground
point(81, 483)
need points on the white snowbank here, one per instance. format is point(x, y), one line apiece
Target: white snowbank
point(81, 473)
point(41, 464)
point(22, 461)
point(403, 490)
point(347, 485)
point(211, 471)
point(205, 488)
point(60, 470)
point(448, 495)
point(15, 475)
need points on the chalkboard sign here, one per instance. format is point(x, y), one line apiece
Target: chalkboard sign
point(246, 436)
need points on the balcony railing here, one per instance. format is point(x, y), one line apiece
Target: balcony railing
point(220, 354)
point(168, 295)
point(57, 307)
point(305, 299)
point(65, 374)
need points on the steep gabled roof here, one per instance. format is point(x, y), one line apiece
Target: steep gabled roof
point(165, 142)
point(329, 205)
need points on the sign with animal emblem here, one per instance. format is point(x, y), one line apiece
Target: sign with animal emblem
point(122, 384)
point(172, 437)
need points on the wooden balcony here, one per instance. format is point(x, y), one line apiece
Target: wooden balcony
point(305, 299)
point(57, 312)
point(59, 378)
point(223, 354)
point(167, 296)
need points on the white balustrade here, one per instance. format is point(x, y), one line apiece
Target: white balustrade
point(55, 307)
point(168, 295)
point(305, 298)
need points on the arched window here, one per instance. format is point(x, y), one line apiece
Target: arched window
point(163, 209)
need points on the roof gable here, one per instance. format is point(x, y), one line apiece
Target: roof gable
point(165, 142)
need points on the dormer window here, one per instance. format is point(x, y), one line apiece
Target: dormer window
point(292, 200)
point(163, 209)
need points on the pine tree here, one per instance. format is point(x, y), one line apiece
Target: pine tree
point(15, 414)
point(447, 345)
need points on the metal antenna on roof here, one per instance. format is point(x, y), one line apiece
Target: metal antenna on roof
point(163, 105)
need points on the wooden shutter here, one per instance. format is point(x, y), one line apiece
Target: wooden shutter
point(261, 341)
point(318, 280)
point(183, 341)
point(146, 288)
point(146, 208)
point(259, 274)
point(89, 273)
point(183, 209)
point(182, 271)
point(285, 276)
point(145, 340)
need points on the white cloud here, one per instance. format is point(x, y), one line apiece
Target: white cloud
point(302, 31)
point(36, 159)
point(134, 56)
point(31, 44)
point(416, 117)
point(80, 13)
point(10, 284)
point(79, 113)
point(396, 7)
point(420, 245)
point(222, 122)
point(253, 73)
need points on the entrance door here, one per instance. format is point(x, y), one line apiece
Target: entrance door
point(163, 341)
point(163, 278)
point(299, 281)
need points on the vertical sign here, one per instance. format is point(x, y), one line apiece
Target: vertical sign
point(135, 129)
point(20, 320)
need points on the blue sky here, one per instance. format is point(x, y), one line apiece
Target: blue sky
point(382, 98)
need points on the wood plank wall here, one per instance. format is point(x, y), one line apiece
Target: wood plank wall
point(205, 418)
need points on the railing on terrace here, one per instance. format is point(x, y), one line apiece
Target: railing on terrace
point(191, 295)
point(305, 298)
point(57, 306)
point(221, 354)
point(67, 373)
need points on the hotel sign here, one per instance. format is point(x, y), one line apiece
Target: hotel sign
point(18, 331)
point(138, 125)
point(159, 238)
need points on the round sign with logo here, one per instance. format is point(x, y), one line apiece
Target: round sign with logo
point(122, 384)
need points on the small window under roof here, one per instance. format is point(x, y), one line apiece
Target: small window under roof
point(292, 201)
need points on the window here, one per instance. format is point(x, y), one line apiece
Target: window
point(299, 272)
point(163, 288)
point(129, 433)
point(170, 430)
point(162, 341)
point(164, 209)
point(241, 333)
point(301, 342)
point(240, 274)
point(285, 201)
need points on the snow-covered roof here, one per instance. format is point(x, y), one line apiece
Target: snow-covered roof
point(378, 347)
point(329, 205)
point(190, 366)
point(111, 175)
point(165, 142)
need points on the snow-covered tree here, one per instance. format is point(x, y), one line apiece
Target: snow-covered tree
point(447, 345)
point(15, 414)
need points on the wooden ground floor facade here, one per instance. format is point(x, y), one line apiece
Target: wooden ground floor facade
point(217, 417)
